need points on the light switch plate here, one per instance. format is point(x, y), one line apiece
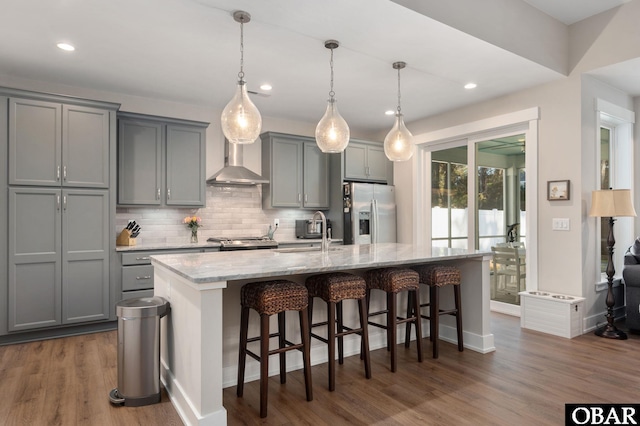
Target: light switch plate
point(560, 224)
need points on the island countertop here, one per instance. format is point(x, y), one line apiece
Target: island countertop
point(240, 265)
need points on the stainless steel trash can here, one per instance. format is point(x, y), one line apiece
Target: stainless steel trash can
point(139, 351)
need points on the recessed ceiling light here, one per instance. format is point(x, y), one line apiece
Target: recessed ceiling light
point(389, 112)
point(266, 86)
point(470, 86)
point(66, 46)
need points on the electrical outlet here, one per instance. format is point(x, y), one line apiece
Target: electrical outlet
point(276, 222)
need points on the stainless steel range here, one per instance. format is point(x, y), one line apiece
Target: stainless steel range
point(244, 243)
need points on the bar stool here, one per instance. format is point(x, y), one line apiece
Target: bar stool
point(392, 281)
point(334, 288)
point(269, 298)
point(436, 276)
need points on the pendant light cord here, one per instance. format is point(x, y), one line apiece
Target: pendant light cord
point(331, 92)
point(241, 73)
point(398, 90)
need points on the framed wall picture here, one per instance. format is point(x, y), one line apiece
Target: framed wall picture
point(558, 190)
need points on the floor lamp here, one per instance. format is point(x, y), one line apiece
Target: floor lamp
point(611, 203)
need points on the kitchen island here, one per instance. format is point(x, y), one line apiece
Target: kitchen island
point(200, 335)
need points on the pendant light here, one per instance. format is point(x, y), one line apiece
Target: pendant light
point(241, 120)
point(332, 132)
point(398, 144)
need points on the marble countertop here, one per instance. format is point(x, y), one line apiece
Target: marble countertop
point(234, 265)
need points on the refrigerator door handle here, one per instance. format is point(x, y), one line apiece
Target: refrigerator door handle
point(374, 221)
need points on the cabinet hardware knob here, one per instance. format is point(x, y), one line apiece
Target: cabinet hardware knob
point(58, 172)
point(64, 202)
point(143, 258)
point(64, 173)
point(146, 277)
point(158, 194)
point(58, 202)
point(168, 194)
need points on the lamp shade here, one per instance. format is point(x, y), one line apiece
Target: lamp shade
point(398, 144)
point(241, 121)
point(332, 132)
point(611, 203)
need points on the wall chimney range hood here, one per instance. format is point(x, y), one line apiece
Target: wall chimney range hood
point(233, 172)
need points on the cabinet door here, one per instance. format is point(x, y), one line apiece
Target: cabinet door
point(85, 255)
point(185, 166)
point(355, 161)
point(85, 147)
point(286, 173)
point(377, 163)
point(35, 276)
point(316, 177)
point(139, 162)
point(35, 142)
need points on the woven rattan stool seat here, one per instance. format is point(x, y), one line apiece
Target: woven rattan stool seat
point(438, 275)
point(271, 297)
point(392, 280)
point(336, 286)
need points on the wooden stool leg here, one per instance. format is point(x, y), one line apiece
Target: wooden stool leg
point(281, 344)
point(340, 330)
point(368, 304)
point(331, 342)
point(418, 319)
point(305, 335)
point(435, 317)
point(392, 329)
point(310, 310)
point(410, 313)
point(264, 363)
point(242, 350)
point(456, 292)
point(364, 338)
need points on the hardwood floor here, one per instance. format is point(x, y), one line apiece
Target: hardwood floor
point(526, 381)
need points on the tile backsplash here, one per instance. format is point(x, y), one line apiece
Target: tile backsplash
point(230, 211)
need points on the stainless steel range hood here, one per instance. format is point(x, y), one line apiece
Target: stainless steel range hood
point(233, 172)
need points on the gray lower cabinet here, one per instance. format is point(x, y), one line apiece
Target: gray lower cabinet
point(136, 271)
point(161, 161)
point(54, 144)
point(297, 170)
point(366, 161)
point(58, 257)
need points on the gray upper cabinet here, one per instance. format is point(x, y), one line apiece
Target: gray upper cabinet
point(139, 162)
point(58, 257)
point(161, 161)
point(53, 144)
point(297, 170)
point(366, 161)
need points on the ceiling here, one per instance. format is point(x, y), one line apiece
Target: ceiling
point(572, 11)
point(187, 51)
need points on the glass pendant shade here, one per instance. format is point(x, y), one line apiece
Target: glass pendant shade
point(241, 120)
point(398, 144)
point(332, 132)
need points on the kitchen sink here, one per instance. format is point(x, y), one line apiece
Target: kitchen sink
point(303, 249)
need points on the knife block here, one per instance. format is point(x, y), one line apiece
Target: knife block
point(124, 239)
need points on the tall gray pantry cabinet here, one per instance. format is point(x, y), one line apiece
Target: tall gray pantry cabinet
point(61, 208)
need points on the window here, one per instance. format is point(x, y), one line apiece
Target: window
point(449, 201)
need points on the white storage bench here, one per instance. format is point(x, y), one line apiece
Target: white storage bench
point(556, 314)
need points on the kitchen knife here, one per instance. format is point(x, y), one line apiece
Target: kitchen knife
point(137, 232)
point(135, 229)
point(130, 224)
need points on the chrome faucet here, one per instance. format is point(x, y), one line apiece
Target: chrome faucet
point(325, 240)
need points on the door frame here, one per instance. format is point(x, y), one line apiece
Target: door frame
point(518, 122)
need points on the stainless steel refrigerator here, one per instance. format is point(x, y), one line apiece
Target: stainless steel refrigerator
point(369, 213)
